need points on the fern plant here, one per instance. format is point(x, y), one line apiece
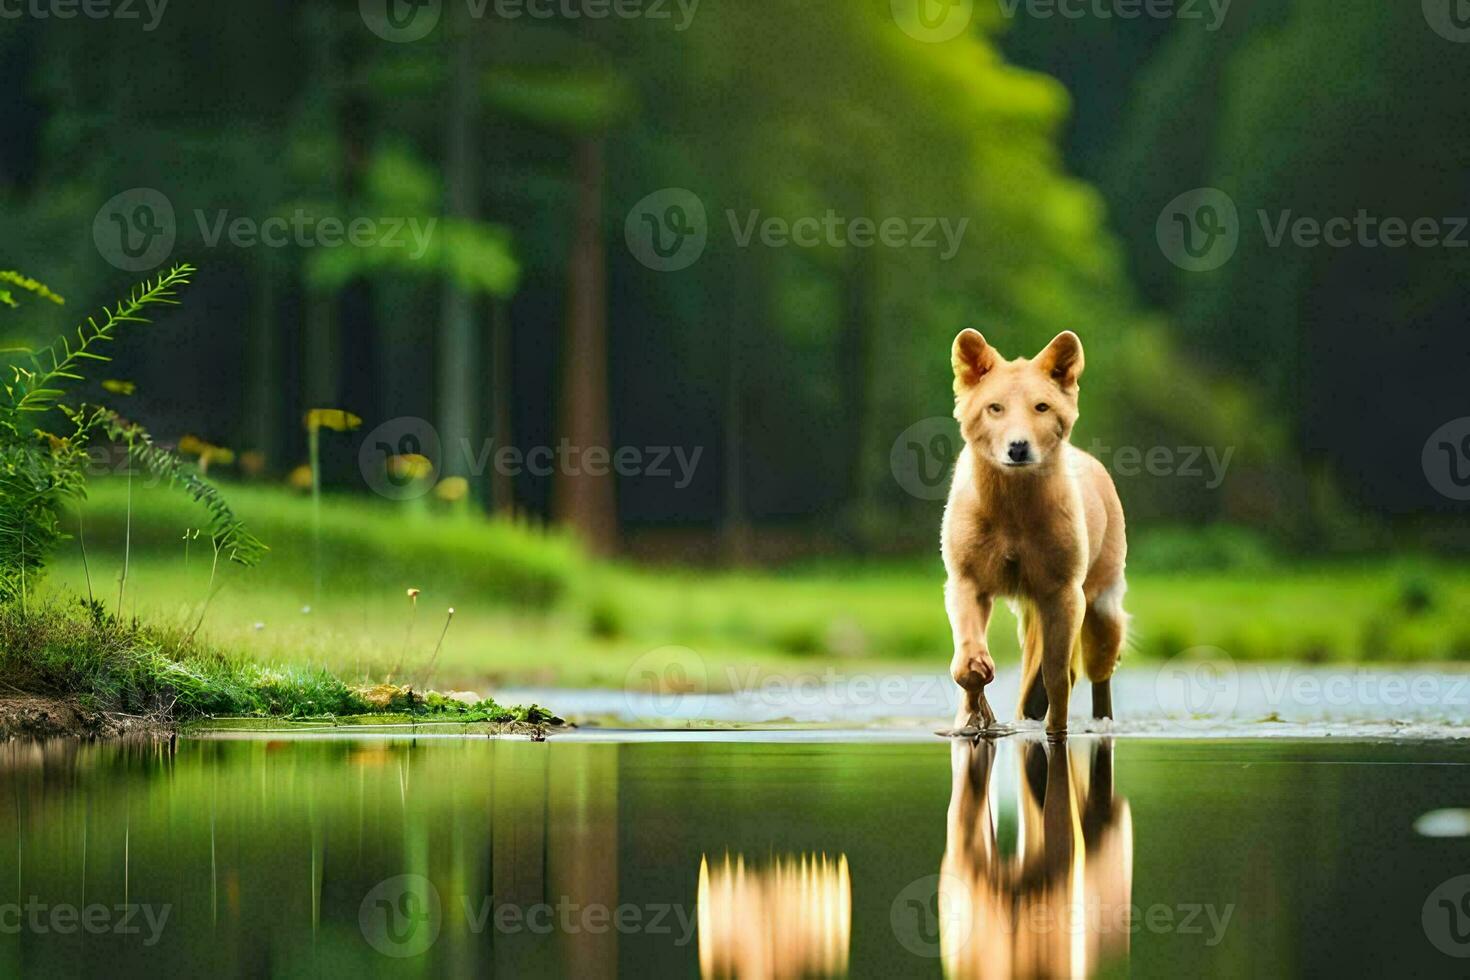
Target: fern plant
point(41, 471)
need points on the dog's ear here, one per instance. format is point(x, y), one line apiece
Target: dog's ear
point(971, 358)
point(1062, 359)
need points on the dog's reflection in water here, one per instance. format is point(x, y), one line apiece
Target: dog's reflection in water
point(789, 918)
point(1058, 904)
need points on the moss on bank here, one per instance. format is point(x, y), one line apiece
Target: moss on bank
point(94, 662)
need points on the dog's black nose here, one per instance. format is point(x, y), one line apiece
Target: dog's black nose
point(1019, 451)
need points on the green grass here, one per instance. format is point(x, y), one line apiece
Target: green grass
point(531, 609)
point(140, 669)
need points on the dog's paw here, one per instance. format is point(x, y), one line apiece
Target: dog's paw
point(974, 731)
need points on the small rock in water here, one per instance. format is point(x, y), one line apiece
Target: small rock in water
point(468, 697)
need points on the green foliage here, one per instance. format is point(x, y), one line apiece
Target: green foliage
point(476, 256)
point(227, 532)
point(1214, 547)
point(368, 546)
point(40, 471)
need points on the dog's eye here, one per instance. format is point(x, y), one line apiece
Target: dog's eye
point(995, 408)
point(1043, 407)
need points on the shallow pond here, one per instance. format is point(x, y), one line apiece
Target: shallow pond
point(676, 857)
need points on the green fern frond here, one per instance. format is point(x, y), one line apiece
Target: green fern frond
point(227, 531)
point(36, 389)
point(26, 284)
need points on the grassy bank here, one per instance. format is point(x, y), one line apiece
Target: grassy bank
point(75, 652)
point(529, 608)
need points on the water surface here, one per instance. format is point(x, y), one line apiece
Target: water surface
point(432, 857)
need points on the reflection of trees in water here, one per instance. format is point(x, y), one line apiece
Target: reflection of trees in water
point(1058, 905)
point(792, 919)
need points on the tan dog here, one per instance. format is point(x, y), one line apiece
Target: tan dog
point(1033, 519)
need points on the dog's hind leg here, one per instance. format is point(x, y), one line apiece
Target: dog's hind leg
point(1104, 628)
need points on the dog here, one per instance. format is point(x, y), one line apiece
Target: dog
point(1059, 904)
point(1037, 521)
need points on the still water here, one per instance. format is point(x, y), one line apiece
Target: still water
point(475, 857)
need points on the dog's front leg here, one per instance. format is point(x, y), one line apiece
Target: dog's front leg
point(1061, 622)
point(972, 667)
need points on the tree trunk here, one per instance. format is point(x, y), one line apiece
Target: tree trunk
point(734, 523)
point(855, 355)
point(458, 350)
point(502, 485)
point(263, 368)
point(580, 500)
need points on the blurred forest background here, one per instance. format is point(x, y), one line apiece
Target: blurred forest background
point(529, 320)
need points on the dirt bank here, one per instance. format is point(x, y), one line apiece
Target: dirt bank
point(35, 716)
